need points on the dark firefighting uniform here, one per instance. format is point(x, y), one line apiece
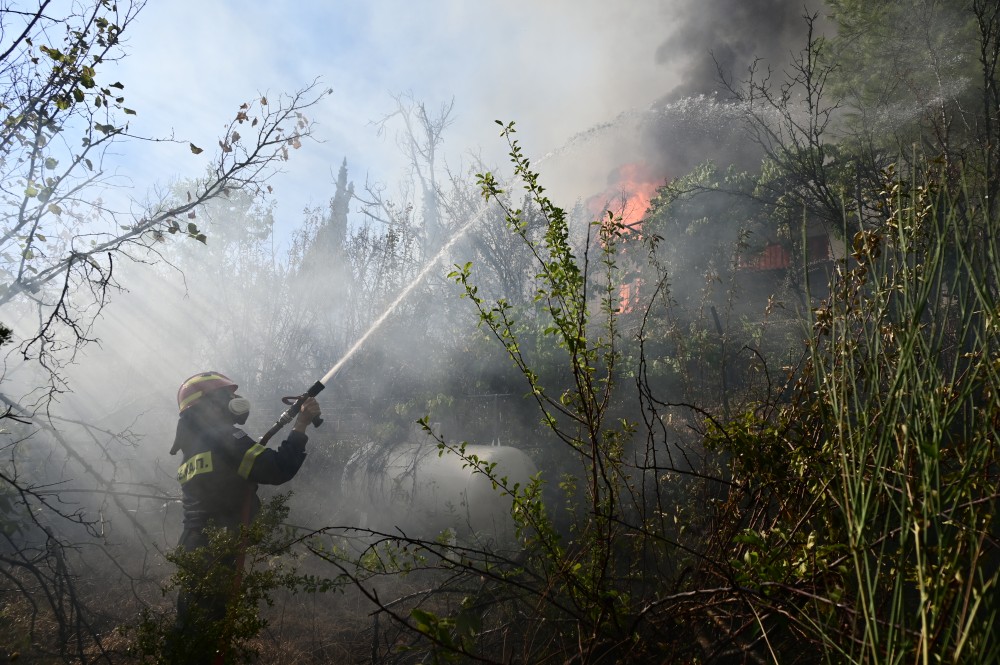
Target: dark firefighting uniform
point(221, 471)
point(222, 467)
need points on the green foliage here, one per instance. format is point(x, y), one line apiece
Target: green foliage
point(577, 583)
point(453, 635)
point(209, 575)
point(905, 58)
point(904, 366)
point(916, 73)
point(864, 509)
point(854, 509)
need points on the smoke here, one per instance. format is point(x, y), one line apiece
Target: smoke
point(723, 38)
point(683, 116)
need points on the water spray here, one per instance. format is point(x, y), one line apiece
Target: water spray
point(295, 403)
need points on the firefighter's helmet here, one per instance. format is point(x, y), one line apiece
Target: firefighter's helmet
point(199, 385)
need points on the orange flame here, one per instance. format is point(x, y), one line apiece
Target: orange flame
point(630, 196)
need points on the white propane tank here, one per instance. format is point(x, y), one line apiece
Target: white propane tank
point(413, 489)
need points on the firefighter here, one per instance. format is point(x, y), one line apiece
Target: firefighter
point(221, 471)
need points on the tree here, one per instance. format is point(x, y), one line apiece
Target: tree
point(907, 71)
point(59, 236)
point(501, 258)
point(325, 276)
point(420, 141)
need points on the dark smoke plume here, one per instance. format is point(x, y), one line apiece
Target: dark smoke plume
point(727, 36)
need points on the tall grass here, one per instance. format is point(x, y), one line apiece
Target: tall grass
point(905, 365)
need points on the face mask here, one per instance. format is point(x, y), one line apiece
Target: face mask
point(239, 408)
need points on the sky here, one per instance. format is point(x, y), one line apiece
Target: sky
point(556, 68)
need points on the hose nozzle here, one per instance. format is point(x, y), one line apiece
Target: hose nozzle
point(294, 406)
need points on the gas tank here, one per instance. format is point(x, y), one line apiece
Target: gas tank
point(413, 489)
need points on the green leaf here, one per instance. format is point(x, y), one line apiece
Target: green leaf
point(53, 53)
point(424, 620)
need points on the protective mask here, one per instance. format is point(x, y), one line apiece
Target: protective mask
point(239, 407)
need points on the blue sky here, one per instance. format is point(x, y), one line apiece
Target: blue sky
point(556, 67)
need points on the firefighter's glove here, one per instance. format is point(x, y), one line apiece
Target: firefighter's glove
point(307, 413)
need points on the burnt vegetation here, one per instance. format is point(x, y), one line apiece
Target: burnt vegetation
point(759, 414)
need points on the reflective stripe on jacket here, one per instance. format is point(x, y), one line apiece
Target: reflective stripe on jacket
point(222, 465)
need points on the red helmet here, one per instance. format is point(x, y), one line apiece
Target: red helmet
point(200, 385)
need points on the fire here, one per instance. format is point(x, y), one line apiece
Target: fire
point(628, 196)
point(634, 186)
